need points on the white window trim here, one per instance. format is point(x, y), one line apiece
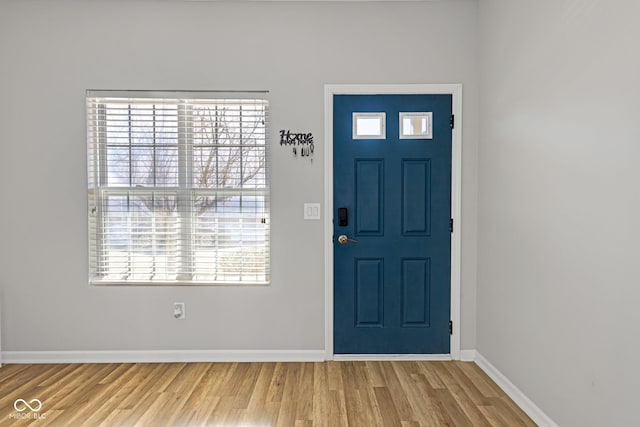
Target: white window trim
point(184, 190)
point(428, 115)
point(383, 125)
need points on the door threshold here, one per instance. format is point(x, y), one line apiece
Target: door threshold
point(396, 357)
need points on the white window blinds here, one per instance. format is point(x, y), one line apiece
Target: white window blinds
point(178, 188)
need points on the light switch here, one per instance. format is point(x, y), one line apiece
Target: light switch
point(312, 211)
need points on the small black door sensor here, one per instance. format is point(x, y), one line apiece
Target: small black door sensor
point(343, 217)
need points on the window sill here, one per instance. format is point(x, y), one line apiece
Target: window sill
point(173, 283)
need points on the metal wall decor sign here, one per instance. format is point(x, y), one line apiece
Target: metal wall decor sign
point(301, 143)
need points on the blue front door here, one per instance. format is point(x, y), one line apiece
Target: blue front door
point(392, 207)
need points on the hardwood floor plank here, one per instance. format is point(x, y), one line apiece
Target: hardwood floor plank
point(330, 394)
point(473, 371)
point(220, 412)
point(276, 387)
point(453, 410)
point(143, 383)
point(234, 416)
point(320, 395)
point(438, 416)
point(157, 410)
point(247, 384)
point(199, 415)
point(80, 390)
point(260, 393)
point(58, 375)
point(376, 377)
point(388, 410)
point(200, 391)
point(369, 404)
point(370, 411)
point(494, 417)
point(52, 419)
point(187, 379)
point(466, 404)
point(467, 385)
point(24, 386)
point(337, 415)
point(114, 392)
point(287, 414)
point(396, 390)
point(8, 371)
point(335, 375)
point(351, 396)
point(131, 415)
point(212, 386)
point(116, 373)
point(429, 371)
point(512, 414)
point(173, 370)
point(114, 418)
point(421, 396)
point(304, 407)
point(486, 388)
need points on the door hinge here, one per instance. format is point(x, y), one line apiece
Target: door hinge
point(450, 327)
point(452, 121)
point(451, 225)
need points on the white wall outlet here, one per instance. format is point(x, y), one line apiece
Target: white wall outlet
point(179, 310)
point(312, 211)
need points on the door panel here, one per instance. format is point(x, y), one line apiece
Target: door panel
point(369, 196)
point(416, 191)
point(416, 307)
point(369, 295)
point(392, 279)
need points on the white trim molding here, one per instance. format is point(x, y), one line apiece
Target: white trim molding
point(468, 355)
point(527, 405)
point(392, 357)
point(455, 90)
point(162, 356)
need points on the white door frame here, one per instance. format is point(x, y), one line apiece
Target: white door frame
point(456, 192)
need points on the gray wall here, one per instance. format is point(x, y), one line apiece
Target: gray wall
point(51, 51)
point(559, 203)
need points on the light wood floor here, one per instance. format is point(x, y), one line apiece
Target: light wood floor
point(405, 394)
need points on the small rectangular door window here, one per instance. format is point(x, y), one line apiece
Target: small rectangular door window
point(369, 126)
point(416, 125)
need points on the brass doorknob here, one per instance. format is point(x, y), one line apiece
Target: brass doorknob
point(343, 238)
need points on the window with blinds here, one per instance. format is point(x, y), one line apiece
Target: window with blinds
point(178, 188)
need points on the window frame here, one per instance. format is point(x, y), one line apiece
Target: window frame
point(185, 192)
point(380, 116)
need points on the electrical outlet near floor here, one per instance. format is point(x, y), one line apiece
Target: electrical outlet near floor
point(179, 310)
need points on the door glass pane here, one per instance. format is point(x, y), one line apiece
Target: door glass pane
point(416, 125)
point(369, 126)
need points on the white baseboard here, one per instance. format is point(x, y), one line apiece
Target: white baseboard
point(162, 356)
point(468, 355)
point(530, 408)
point(396, 357)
